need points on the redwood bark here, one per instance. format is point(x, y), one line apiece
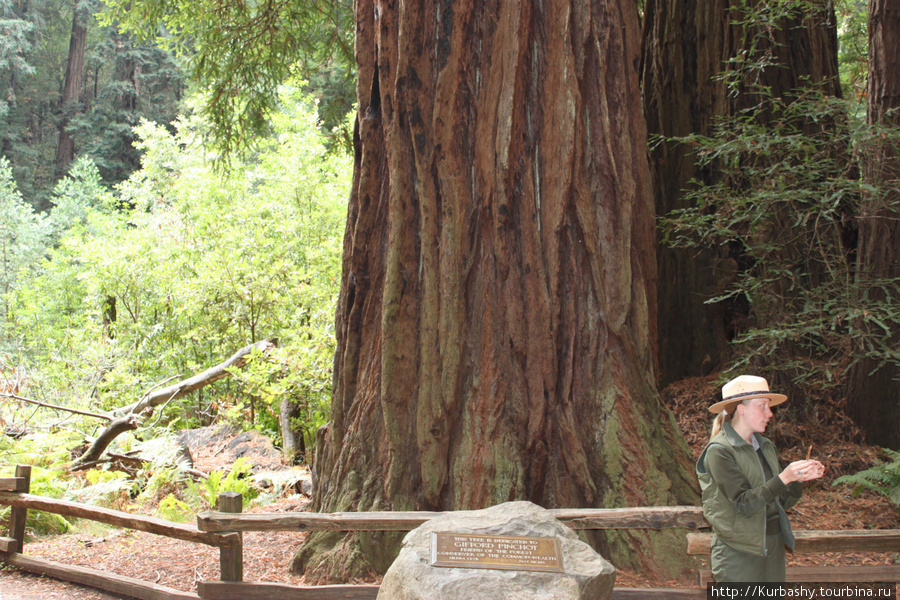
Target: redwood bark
point(686, 47)
point(873, 390)
point(72, 87)
point(495, 326)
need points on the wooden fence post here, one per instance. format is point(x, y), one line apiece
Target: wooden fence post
point(18, 515)
point(231, 557)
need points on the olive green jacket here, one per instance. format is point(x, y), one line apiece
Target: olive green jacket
point(735, 492)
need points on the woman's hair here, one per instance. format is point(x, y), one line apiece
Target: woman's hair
point(726, 415)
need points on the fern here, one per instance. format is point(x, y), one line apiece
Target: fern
point(883, 478)
point(47, 483)
point(237, 480)
point(173, 509)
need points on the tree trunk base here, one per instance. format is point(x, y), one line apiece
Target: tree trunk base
point(331, 557)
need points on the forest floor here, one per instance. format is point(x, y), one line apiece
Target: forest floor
point(267, 555)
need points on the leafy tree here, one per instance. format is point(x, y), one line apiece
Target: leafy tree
point(195, 263)
point(23, 237)
point(240, 53)
point(76, 197)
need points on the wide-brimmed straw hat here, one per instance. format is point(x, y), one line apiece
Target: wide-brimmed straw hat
point(746, 387)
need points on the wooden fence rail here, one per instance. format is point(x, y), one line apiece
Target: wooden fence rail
point(224, 529)
point(118, 518)
point(658, 517)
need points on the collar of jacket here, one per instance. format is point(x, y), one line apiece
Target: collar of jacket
point(737, 441)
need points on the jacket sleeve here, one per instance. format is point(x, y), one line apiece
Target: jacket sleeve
point(735, 485)
point(791, 494)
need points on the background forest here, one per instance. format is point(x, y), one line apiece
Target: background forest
point(167, 198)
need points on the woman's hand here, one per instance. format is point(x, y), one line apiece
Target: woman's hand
point(802, 470)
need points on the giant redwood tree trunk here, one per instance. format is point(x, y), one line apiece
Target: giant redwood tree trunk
point(496, 317)
point(687, 47)
point(874, 390)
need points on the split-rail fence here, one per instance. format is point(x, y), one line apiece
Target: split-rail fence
point(224, 528)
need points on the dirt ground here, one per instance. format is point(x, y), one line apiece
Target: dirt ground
point(15, 585)
point(267, 555)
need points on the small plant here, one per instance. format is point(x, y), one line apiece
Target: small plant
point(883, 478)
point(237, 480)
point(47, 483)
point(173, 509)
point(105, 488)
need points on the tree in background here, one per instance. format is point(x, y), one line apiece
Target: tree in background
point(129, 82)
point(72, 87)
point(701, 63)
point(14, 47)
point(73, 82)
point(496, 317)
point(197, 264)
point(239, 53)
point(874, 383)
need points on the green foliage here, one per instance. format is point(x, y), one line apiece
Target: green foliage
point(853, 45)
point(241, 53)
point(22, 237)
point(187, 264)
point(883, 478)
point(237, 480)
point(781, 215)
point(173, 509)
point(105, 488)
point(48, 450)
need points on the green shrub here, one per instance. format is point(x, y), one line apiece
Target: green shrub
point(237, 480)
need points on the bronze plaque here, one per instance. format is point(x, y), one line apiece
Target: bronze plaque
point(495, 552)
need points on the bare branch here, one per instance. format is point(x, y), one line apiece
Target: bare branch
point(144, 408)
point(56, 407)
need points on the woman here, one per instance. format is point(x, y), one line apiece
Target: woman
point(744, 492)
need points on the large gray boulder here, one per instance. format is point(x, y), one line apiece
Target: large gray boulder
point(412, 577)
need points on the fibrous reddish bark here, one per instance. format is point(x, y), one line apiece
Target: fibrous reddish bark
point(496, 318)
point(873, 389)
point(72, 87)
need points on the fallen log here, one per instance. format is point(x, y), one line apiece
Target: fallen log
point(143, 408)
point(102, 442)
point(172, 392)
